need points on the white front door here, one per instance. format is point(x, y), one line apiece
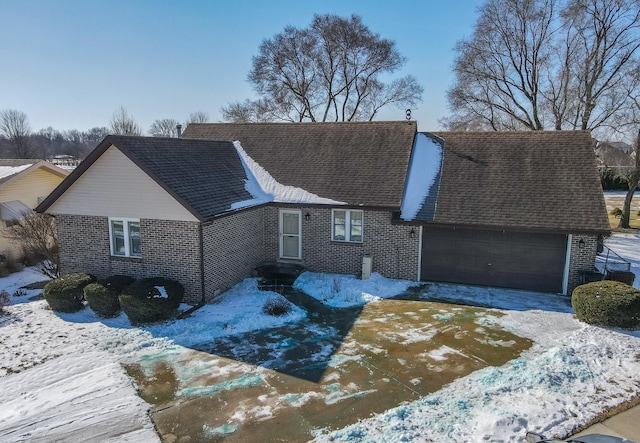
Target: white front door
point(290, 234)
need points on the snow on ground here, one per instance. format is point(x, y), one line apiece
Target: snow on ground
point(236, 311)
point(628, 247)
point(342, 291)
point(62, 376)
point(572, 373)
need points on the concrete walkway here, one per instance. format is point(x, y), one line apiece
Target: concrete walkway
point(624, 425)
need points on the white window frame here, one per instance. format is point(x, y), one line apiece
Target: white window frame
point(127, 238)
point(347, 225)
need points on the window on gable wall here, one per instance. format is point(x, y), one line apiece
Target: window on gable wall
point(347, 225)
point(125, 237)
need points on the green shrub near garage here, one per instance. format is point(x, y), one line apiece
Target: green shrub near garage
point(607, 303)
point(102, 296)
point(65, 293)
point(144, 303)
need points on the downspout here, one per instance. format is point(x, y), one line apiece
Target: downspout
point(567, 264)
point(420, 254)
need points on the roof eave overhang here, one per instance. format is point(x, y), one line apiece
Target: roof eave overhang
point(515, 228)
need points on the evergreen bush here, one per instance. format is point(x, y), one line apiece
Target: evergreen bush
point(617, 212)
point(151, 299)
point(607, 303)
point(102, 296)
point(612, 180)
point(65, 293)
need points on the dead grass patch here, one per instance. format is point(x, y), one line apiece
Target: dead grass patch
point(616, 200)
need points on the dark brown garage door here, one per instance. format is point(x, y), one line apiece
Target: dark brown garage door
point(494, 258)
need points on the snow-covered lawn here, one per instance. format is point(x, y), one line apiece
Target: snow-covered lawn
point(62, 376)
point(627, 246)
point(343, 291)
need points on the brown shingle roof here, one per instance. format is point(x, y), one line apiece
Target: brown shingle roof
point(533, 180)
point(359, 163)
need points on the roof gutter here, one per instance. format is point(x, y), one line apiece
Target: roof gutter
point(396, 220)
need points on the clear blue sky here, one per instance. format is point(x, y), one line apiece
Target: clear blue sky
point(69, 64)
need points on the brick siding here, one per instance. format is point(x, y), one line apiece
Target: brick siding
point(83, 242)
point(582, 259)
point(394, 253)
point(233, 247)
point(170, 249)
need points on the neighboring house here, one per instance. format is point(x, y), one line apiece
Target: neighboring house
point(23, 185)
point(64, 161)
point(520, 209)
point(615, 155)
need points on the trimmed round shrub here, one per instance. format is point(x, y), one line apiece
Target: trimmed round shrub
point(151, 299)
point(65, 294)
point(102, 296)
point(607, 303)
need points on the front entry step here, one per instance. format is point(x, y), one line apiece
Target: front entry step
point(280, 272)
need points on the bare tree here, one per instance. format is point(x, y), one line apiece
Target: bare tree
point(198, 117)
point(14, 125)
point(633, 179)
point(47, 141)
point(542, 64)
point(165, 127)
point(95, 135)
point(122, 123)
point(37, 235)
point(499, 70)
point(250, 111)
point(332, 70)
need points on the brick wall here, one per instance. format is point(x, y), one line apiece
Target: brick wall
point(170, 249)
point(233, 247)
point(582, 259)
point(83, 242)
point(394, 252)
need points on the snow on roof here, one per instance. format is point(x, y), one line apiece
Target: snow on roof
point(7, 171)
point(423, 170)
point(264, 188)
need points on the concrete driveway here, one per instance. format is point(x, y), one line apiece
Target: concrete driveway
point(326, 372)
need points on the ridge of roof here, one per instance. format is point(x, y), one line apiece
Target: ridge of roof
point(342, 123)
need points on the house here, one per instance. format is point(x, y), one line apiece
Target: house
point(618, 156)
point(476, 208)
point(23, 185)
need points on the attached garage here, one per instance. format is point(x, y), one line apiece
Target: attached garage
point(513, 209)
point(520, 260)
